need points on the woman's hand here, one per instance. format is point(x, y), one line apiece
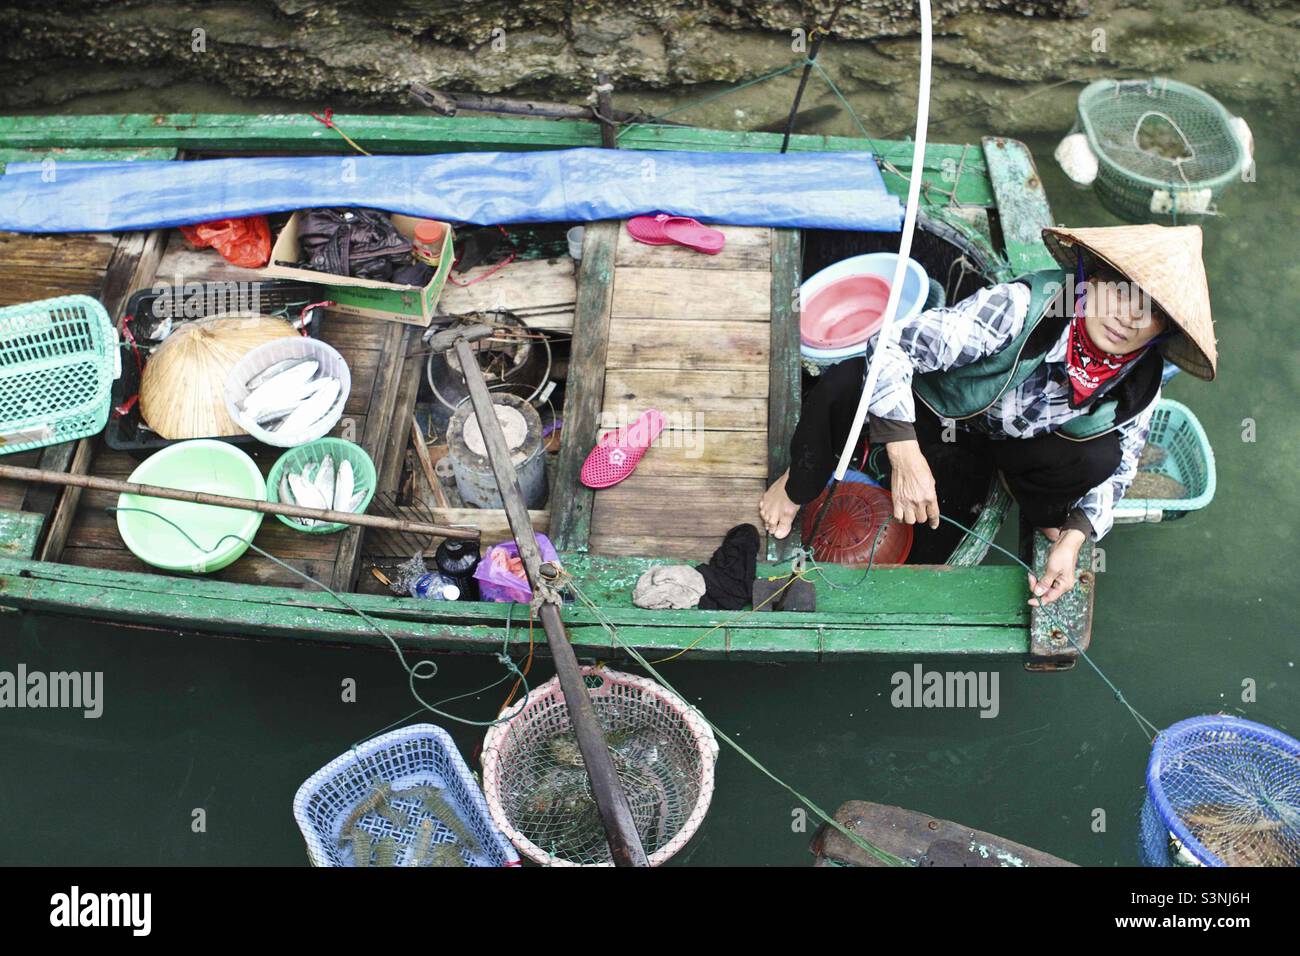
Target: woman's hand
point(912, 484)
point(1058, 572)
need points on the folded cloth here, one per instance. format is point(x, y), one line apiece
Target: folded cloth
point(669, 586)
point(729, 575)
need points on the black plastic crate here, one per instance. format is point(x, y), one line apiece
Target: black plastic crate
point(149, 310)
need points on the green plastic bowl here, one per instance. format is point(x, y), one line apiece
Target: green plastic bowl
point(203, 464)
point(295, 459)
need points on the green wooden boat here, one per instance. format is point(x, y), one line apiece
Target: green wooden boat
point(983, 208)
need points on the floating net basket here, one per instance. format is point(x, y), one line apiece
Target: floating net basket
point(1185, 455)
point(1222, 791)
point(442, 818)
point(1162, 147)
point(536, 785)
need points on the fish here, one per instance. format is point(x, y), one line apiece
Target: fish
point(419, 855)
point(343, 486)
point(315, 407)
point(378, 796)
point(446, 854)
point(324, 480)
point(270, 372)
point(307, 495)
point(354, 503)
point(281, 389)
point(436, 805)
point(386, 852)
point(286, 494)
point(363, 844)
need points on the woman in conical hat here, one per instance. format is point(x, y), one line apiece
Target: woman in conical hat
point(1049, 382)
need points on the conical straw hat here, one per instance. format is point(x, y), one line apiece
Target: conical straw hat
point(1165, 262)
point(182, 389)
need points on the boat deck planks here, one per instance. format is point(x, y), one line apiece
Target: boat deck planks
point(689, 334)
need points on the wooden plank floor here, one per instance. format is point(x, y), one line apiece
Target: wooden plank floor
point(690, 335)
point(93, 540)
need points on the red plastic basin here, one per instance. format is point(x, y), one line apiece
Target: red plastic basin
point(846, 312)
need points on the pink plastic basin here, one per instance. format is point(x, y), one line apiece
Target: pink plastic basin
point(846, 312)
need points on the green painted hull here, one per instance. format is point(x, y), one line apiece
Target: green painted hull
point(961, 609)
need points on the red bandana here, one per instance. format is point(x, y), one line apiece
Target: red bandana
point(1088, 366)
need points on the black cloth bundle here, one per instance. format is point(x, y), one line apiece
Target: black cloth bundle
point(729, 575)
point(362, 243)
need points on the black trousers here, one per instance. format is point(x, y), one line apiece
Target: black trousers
point(1046, 474)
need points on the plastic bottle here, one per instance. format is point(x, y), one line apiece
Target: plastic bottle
point(456, 561)
point(435, 587)
point(427, 246)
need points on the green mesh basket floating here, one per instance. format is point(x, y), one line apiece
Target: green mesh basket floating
point(1163, 148)
point(1187, 458)
point(58, 359)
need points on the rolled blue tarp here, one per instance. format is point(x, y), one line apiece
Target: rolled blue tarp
point(803, 190)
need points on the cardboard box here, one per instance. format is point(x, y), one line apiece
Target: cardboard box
point(381, 300)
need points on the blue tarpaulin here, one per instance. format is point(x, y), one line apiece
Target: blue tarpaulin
point(806, 190)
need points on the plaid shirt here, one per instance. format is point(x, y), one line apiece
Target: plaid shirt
point(980, 325)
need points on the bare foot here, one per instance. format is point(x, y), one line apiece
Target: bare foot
point(776, 509)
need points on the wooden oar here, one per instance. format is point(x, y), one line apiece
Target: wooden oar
point(243, 504)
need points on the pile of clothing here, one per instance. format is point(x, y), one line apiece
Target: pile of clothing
point(362, 243)
point(725, 583)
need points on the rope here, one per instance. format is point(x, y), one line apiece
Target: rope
point(418, 671)
point(328, 120)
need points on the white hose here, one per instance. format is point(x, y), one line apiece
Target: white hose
point(904, 247)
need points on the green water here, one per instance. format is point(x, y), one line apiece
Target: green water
point(1186, 612)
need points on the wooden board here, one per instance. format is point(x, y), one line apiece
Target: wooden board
point(746, 248)
point(784, 373)
point(679, 293)
point(542, 292)
point(730, 400)
point(1022, 203)
point(585, 388)
point(652, 343)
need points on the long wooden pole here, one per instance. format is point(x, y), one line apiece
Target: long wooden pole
point(225, 501)
point(615, 812)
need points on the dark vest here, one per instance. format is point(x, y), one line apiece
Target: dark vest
point(970, 390)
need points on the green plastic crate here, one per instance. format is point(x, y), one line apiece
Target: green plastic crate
point(295, 459)
point(1110, 112)
point(1189, 461)
point(58, 359)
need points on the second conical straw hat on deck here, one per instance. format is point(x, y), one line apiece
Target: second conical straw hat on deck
point(1165, 262)
point(182, 386)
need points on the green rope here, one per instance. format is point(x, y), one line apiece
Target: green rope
point(421, 670)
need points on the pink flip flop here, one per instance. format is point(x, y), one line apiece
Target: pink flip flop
point(694, 235)
point(617, 454)
point(663, 230)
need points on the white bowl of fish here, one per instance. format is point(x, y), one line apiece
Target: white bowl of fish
point(288, 392)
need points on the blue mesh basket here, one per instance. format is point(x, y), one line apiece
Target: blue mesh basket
point(417, 756)
point(1222, 791)
point(1189, 460)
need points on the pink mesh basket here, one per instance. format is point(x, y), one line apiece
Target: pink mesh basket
point(663, 749)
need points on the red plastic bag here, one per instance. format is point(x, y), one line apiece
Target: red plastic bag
point(242, 242)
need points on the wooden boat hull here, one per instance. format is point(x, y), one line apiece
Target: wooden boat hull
point(960, 609)
point(919, 838)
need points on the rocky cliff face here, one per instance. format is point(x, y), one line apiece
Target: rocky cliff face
point(358, 53)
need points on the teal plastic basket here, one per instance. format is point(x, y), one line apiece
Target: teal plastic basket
point(1189, 460)
point(58, 359)
point(295, 459)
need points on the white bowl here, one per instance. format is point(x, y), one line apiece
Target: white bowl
point(263, 357)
